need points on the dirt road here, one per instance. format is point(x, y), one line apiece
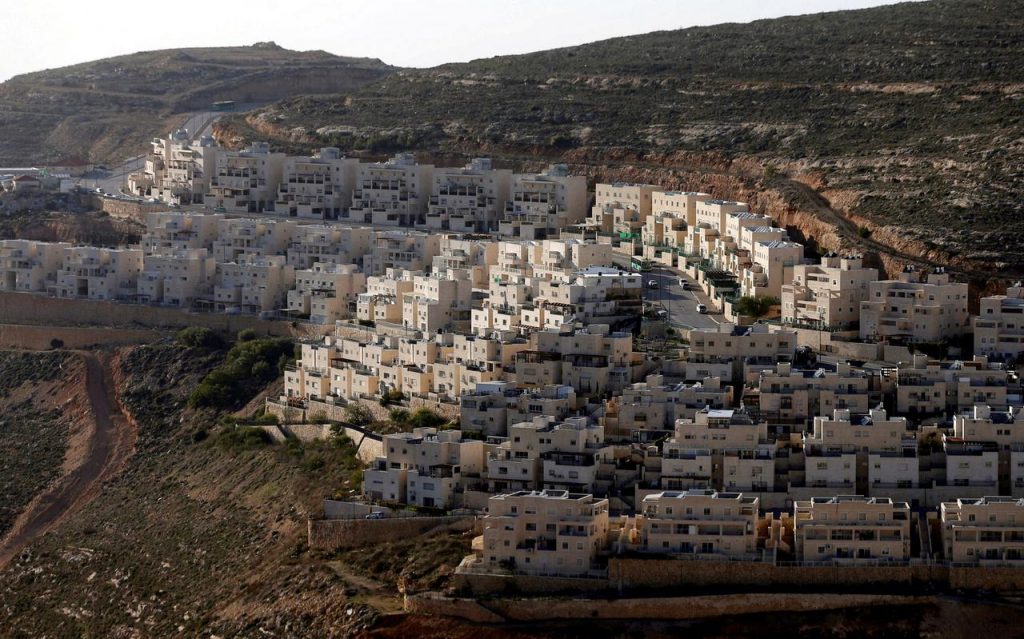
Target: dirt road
point(110, 441)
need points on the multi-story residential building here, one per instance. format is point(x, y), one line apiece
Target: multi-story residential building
point(426, 468)
point(327, 244)
point(698, 522)
point(591, 360)
point(170, 232)
point(437, 304)
point(540, 205)
point(317, 187)
point(546, 453)
point(245, 181)
point(851, 529)
point(468, 199)
point(395, 192)
point(178, 170)
point(773, 264)
point(30, 266)
point(647, 410)
point(411, 251)
point(491, 408)
point(737, 353)
point(827, 294)
point(713, 214)
point(326, 293)
point(472, 255)
point(622, 208)
point(985, 531)
point(177, 278)
point(930, 387)
point(678, 204)
point(720, 448)
point(789, 397)
point(982, 431)
point(596, 294)
point(971, 463)
point(544, 532)
point(99, 273)
point(918, 311)
point(382, 301)
point(850, 450)
point(241, 238)
point(999, 327)
point(253, 284)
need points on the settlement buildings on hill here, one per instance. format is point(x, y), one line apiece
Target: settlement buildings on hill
point(515, 301)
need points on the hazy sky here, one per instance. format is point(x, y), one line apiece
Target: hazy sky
point(412, 33)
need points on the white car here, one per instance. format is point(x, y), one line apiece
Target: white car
point(652, 283)
point(702, 309)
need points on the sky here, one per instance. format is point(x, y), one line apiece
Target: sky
point(408, 33)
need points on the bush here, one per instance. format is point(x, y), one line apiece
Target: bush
point(754, 306)
point(266, 419)
point(426, 418)
point(249, 366)
point(56, 343)
point(864, 232)
point(198, 337)
point(242, 438)
point(319, 417)
point(391, 397)
point(247, 335)
point(358, 415)
point(399, 416)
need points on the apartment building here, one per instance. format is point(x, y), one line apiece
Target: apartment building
point(491, 408)
point(410, 251)
point(327, 244)
point(827, 294)
point(773, 264)
point(317, 187)
point(850, 450)
point(999, 327)
point(552, 532)
point(559, 259)
point(713, 214)
point(982, 431)
point(382, 301)
point(392, 193)
point(177, 278)
point(471, 255)
point(698, 522)
point(30, 266)
point(622, 208)
point(737, 354)
point(326, 293)
point(596, 294)
point(468, 199)
point(645, 411)
point(592, 360)
point(177, 170)
point(790, 397)
point(850, 529)
point(169, 232)
point(253, 285)
point(426, 468)
point(719, 448)
point(931, 310)
point(437, 304)
point(245, 181)
point(984, 531)
point(681, 205)
point(931, 387)
point(547, 453)
point(98, 273)
point(540, 205)
point(241, 238)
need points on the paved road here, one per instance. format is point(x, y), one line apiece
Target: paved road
point(111, 441)
point(681, 305)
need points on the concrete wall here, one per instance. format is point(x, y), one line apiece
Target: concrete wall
point(126, 208)
point(369, 446)
point(31, 308)
point(39, 337)
point(675, 608)
point(330, 534)
point(489, 585)
point(995, 578)
point(336, 412)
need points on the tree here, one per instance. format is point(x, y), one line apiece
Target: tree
point(426, 418)
point(754, 306)
point(358, 415)
point(399, 416)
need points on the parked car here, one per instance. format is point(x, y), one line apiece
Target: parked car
point(702, 309)
point(684, 284)
point(662, 313)
point(652, 283)
point(375, 515)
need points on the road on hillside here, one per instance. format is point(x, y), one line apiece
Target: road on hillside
point(110, 442)
point(681, 305)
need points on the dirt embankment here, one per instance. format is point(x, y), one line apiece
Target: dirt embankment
point(100, 444)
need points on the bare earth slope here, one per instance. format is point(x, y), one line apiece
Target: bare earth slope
point(905, 118)
point(107, 110)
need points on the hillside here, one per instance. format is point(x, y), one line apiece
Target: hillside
point(108, 109)
point(904, 120)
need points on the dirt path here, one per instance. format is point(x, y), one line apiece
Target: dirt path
point(109, 442)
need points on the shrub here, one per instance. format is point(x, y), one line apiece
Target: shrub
point(425, 418)
point(198, 337)
point(754, 306)
point(242, 438)
point(249, 365)
point(266, 419)
point(319, 417)
point(358, 415)
point(247, 335)
point(864, 232)
point(56, 343)
point(399, 416)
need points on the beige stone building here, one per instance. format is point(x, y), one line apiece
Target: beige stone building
point(30, 266)
point(790, 397)
point(318, 187)
point(851, 529)
point(737, 354)
point(700, 523)
point(242, 238)
point(382, 301)
point(411, 251)
point(868, 452)
point(326, 292)
point(468, 199)
point(999, 328)
point(829, 293)
point(98, 274)
point(985, 531)
point(553, 532)
point(392, 193)
point(171, 231)
point(328, 244)
point(177, 170)
point(546, 453)
point(253, 285)
point(918, 311)
point(540, 205)
point(622, 208)
point(245, 181)
point(177, 278)
point(929, 387)
point(647, 410)
point(491, 408)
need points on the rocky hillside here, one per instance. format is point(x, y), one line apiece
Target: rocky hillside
point(108, 109)
point(895, 130)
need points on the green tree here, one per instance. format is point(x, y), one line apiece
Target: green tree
point(358, 415)
point(754, 306)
